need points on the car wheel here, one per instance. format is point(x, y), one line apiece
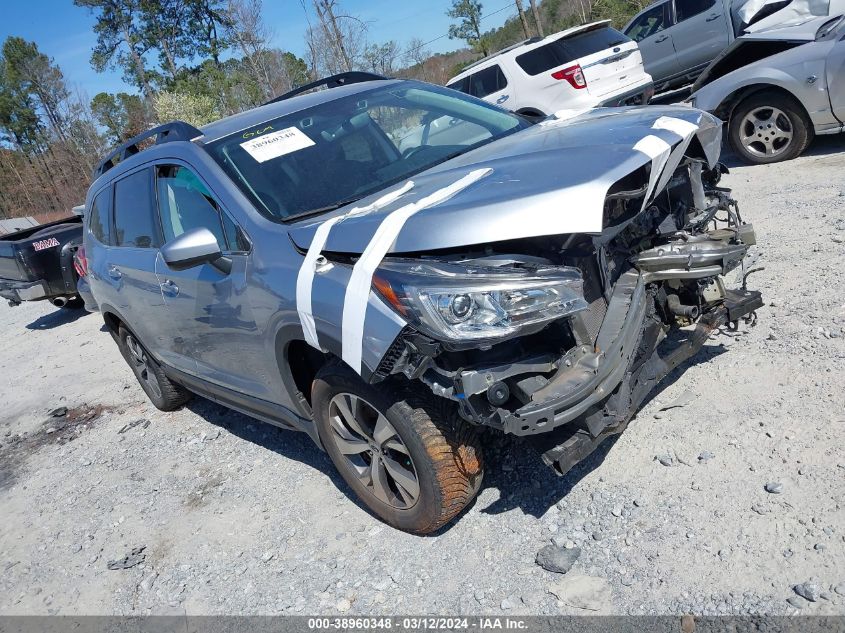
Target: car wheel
point(769, 127)
point(76, 303)
point(408, 458)
point(162, 392)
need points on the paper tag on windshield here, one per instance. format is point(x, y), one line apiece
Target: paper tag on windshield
point(277, 144)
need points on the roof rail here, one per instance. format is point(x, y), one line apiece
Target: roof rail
point(173, 131)
point(341, 79)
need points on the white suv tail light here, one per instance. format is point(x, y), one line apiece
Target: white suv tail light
point(573, 74)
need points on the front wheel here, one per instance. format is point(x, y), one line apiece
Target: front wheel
point(769, 127)
point(408, 458)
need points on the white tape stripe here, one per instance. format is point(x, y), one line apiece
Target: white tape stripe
point(305, 278)
point(685, 130)
point(682, 128)
point(358, 290)
point(658, 151)
point(385, 200)
point(305, 281)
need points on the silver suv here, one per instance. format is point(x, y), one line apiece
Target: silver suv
point(390, 266)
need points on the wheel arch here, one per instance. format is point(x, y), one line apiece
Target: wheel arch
point(530, 112)
point(298, 364)
point(726, 108)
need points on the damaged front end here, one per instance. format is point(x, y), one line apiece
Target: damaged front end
point(560, 338)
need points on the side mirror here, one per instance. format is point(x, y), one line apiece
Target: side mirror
point(193, 248)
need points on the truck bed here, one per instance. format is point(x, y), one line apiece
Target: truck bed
point(28, 242)
point(38, 262)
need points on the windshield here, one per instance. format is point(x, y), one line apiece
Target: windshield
point(316, 160)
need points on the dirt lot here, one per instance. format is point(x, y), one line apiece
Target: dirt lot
point(237, 517)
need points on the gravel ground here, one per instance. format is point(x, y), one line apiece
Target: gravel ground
point(722, 505)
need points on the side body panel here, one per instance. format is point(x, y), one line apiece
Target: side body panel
point(658, 49)
point(701, 37)
point(791, 70)
point(835, 78)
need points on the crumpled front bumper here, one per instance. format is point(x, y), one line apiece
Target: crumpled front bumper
point(613, 403)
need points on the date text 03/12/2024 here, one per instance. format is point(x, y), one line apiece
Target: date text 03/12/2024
point(418, 623)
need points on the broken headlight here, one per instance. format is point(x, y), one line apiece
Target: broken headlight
point(458, 301)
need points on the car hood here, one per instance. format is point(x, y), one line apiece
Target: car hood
point(549, 179)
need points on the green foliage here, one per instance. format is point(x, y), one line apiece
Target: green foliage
point(121, 115)
point(469, 28)
point(191, 108)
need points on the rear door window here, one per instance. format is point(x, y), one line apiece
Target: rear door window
point(134, 212)
point(569, 48)
point(652, 21)
point(98, 215)
point(685, 9)
point(487, 81)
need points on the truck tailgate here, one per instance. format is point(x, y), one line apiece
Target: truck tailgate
point(10, 267)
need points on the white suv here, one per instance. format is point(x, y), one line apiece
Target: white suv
point(582, 67)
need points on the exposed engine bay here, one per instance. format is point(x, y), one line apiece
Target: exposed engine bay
point(650, 291)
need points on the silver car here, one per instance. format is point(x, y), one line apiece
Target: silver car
point(777, 88)
point(331, 263)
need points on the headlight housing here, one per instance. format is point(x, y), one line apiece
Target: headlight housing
point(466, 302)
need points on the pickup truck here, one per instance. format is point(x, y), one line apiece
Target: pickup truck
point(37, 264)
point(679, 38)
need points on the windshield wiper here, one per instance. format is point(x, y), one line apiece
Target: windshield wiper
point(319, 210)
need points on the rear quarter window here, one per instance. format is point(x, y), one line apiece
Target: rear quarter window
point(98, 225)
point(569, 49)
point(461, 85)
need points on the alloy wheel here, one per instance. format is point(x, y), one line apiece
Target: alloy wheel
point(766, 132)
point(141, 364)
point(373, 451)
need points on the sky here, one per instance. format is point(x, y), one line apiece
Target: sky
point(65, 32)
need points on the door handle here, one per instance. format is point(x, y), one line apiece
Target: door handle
point(502, 99)
point(712, 17)
point(662, 38)
point(114, 272)
point(169, 288)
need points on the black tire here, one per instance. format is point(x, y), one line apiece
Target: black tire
point(444, 454)
point(162, 392)
point(752, 142)
point(76, 303)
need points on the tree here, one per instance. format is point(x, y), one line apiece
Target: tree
point(415, 57)
point(337, 42)
point(537, 21)
point(121, 40)
point(469, 29)
point(209, 19)
point(165, 25)
point(382, 59)
point(122, 115)
point(36, 75)
point(522, 18)
point(194, 109)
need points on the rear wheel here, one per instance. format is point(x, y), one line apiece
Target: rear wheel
point(409, 459)
point(769, 127)
point(76, 303)
point(162, 392)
